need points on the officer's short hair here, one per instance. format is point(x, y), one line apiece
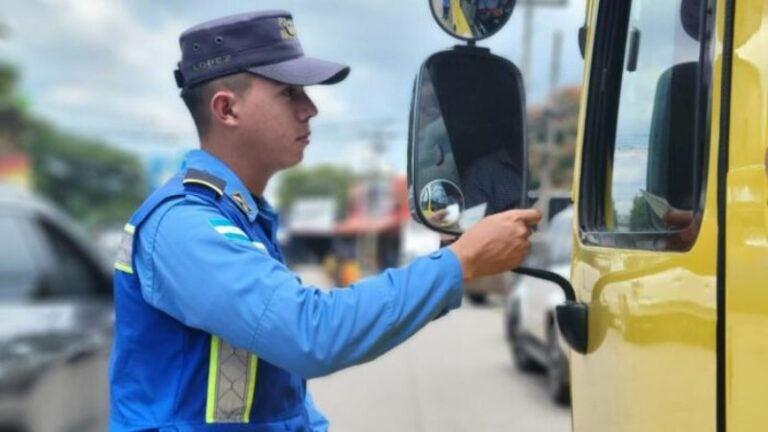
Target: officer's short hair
point(198, 98)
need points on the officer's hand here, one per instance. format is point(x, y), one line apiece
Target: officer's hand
point(495, 244)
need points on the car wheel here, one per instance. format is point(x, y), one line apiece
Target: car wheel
point(557, 369)
point(477, 299)
point(521, 359)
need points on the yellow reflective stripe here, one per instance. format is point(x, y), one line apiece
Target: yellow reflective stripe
point(124, 255)
point(254, 367)
point(123, 268)
point(213, 373)
point(231, 383)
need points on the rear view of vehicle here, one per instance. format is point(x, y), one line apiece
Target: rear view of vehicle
point(56, 309)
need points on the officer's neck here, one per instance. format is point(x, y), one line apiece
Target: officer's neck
point(253, 176)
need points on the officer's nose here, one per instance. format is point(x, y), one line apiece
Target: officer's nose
point(307, 108)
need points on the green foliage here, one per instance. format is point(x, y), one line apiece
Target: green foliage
point(13, 116)
point(640, 215)
point(556, 123)
point(95, 183)
point(319, 180)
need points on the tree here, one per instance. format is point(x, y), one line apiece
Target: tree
point(640, 215)
point(320, 180)
point(13, 115)
point(94, 182)
point(554, 124)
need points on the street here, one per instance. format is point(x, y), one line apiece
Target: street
point(455, 375)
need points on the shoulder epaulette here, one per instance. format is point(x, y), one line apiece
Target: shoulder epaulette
point(195, 176)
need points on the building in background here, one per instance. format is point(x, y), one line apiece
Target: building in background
point(15, 169)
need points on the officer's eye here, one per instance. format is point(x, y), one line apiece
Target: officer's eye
point(292, 92)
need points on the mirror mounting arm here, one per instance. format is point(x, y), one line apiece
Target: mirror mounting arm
point(472, 47)
point(572, 316)
point(563, 283)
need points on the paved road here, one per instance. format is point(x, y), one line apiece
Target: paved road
point(455, 375)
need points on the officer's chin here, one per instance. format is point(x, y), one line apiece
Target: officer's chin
point(297, 160)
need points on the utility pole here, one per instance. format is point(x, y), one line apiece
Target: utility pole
point(527, 36)
point(552, 116)
point(554, 63)
point(530, 6)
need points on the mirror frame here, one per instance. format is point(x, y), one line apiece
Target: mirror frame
point(460, 51)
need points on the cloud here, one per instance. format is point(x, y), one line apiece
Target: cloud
point(107, 64)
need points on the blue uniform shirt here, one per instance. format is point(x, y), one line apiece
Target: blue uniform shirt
point(197, 266)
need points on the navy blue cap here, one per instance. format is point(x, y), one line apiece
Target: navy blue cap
point(263, 43)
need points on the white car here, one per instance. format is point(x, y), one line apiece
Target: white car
point(531, 327)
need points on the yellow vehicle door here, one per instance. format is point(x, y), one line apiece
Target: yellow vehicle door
point(745, 226)
point(645, 257)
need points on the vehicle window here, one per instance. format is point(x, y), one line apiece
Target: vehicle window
point(17, 267)
point(74, 274)
point(645, 154)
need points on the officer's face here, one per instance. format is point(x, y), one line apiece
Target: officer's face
point(275, 127)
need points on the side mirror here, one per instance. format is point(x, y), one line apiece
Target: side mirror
point(468, 155)
point(468, 141)
point(468, 145)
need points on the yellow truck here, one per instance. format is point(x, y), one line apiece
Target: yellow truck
point(667, 311)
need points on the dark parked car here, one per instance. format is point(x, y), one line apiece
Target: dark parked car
point(56, 319)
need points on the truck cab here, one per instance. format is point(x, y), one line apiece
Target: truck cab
point(667, 307)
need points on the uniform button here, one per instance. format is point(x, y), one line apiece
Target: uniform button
point(436, 254)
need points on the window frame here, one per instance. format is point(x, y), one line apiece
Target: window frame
point(604, 95)
point(46, 229)
point(20, 221)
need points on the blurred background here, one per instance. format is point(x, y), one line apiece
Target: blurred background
point(91, 122)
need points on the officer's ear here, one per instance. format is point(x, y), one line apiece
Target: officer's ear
point(224, 108)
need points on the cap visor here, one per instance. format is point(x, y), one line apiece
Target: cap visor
point(303, 71)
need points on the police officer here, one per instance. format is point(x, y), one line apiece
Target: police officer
point(213, 332)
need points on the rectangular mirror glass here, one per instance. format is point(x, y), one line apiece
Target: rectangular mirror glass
point(468, 141)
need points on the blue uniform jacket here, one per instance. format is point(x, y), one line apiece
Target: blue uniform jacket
point(214, 332)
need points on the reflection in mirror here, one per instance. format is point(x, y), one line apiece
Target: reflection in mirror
point(441, 203)
point(472, 19)
point(468, 130)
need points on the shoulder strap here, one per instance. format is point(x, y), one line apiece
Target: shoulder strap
point(195, 177)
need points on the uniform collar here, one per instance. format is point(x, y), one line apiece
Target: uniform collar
point(235, 190)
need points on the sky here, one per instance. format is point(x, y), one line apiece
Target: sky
point(103, 68)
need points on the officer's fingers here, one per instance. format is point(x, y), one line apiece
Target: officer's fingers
point(527, 216)
point(523, 231)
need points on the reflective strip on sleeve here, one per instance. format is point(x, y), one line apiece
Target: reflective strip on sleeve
point(231, 229)
point(123, 260)
point(231, 383)
point(228, 230)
